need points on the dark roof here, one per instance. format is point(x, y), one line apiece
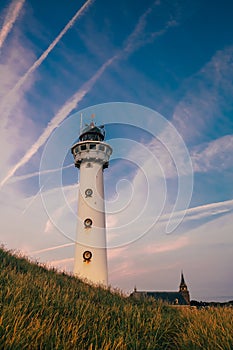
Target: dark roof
point(170, 297)
point(92, 129)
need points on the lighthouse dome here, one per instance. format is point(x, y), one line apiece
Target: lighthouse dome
point(92, 133)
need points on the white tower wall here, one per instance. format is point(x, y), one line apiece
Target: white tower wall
point(91, 238)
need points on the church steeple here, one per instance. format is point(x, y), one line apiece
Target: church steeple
point(183, 285)
point(184, 289)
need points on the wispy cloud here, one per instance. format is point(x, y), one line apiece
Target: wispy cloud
point(62, 263)
point(37, 173)
point(166, 244)
point(163, 247)
point(139, 37)
point(160, 243)
point(13, 12)
point(201, 211)
point(7, 104)
point(72, 103)
point(216, 155)
point(208, 98)
point(11, 68)
point(57, 119)
point(51, 248)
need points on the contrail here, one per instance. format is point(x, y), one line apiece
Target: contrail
point(212, 206)
point(38, 62)
point(37, 173)
point(11, 16)
point(72, 103)
point(61, 261)
point(32, 200)
point(58, 118)
point(139, 38)
point(211, 209)
point(52, 248)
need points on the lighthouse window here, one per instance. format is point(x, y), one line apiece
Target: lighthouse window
point(88, 192)
point(92, 146)
point(87, 255)
point(87, 222)
point(101, 147)
point(83, 147)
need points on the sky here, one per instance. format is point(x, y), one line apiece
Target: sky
point(158, 75)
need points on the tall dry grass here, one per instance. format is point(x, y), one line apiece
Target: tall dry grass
point(44, 309)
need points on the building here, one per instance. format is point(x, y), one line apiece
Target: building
point(180, 297)
point(91, 157)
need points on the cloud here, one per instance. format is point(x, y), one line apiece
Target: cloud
point(135, 208)
point(154, 261)
point(70, 105)
point(128, 264)
point(202, 211)
point(134, 211)
point(171, 154)
point(62, 263)
point(7, 103)
point(12, 14)
point(208, 98)
point(150, 208)
point(51, 248)
point(60, 205)
point(139, 37)
point(215, 155)
point(14, 131)
point(38, 173)
point(65, 264)
point(18, 55)
point(121, 221)
point(167, 246)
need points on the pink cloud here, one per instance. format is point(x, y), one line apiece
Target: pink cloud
point(175, 244)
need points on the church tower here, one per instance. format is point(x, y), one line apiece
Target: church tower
point(183, 289)
point(91, 157)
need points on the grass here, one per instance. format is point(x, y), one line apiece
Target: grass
point(44, 309)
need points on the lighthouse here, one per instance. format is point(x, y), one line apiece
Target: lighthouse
point(91, 157)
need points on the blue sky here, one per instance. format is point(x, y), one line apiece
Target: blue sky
point(123, 61)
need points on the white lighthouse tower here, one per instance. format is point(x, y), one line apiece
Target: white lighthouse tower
point(91, 157)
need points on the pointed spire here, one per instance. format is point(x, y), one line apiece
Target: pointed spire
point(183, 285)
point(182, 278)
point(184, 289)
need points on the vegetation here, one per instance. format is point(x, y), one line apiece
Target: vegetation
point(44, 309)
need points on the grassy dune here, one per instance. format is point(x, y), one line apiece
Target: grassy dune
point(44, 309)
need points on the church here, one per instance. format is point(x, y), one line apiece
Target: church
point(180, 297)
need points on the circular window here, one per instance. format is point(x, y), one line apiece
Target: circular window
point(87, 255)
point(88, 222)
point(88, 192)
